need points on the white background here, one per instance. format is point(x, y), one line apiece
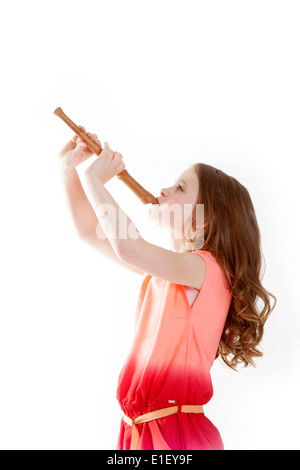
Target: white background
point(168, 84)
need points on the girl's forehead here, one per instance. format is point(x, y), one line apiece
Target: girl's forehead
point(188, 176)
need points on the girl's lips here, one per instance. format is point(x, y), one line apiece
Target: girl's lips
point(156, 201)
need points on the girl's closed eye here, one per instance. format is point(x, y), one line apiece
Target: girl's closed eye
point(179, 187)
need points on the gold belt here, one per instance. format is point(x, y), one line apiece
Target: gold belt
point(155, 415)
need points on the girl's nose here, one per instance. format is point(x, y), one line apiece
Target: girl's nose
point(163, 192)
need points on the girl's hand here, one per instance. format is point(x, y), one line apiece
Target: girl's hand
point(76, 151)
point(107, 165)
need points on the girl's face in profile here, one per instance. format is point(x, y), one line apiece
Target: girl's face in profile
point(176, 202)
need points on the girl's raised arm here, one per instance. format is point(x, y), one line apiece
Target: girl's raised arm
point(83, 216)
point(187, 269)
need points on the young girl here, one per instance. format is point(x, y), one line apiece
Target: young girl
point(197, 302)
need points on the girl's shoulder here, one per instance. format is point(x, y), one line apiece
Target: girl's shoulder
point(204, 253)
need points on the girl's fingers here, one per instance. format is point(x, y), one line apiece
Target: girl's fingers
point(118, 155)
point(81, 147)
point(78, 151)
point(105, 148)
point(94, 137)
point(111, 153)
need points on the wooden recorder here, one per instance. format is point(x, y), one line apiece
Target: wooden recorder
point(124, 176)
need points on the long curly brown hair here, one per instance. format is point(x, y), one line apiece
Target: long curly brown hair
point(232, 235)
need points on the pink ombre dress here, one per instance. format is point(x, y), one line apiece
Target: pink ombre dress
point(169, 362)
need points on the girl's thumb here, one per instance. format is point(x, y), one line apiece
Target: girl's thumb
point(79, 149)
